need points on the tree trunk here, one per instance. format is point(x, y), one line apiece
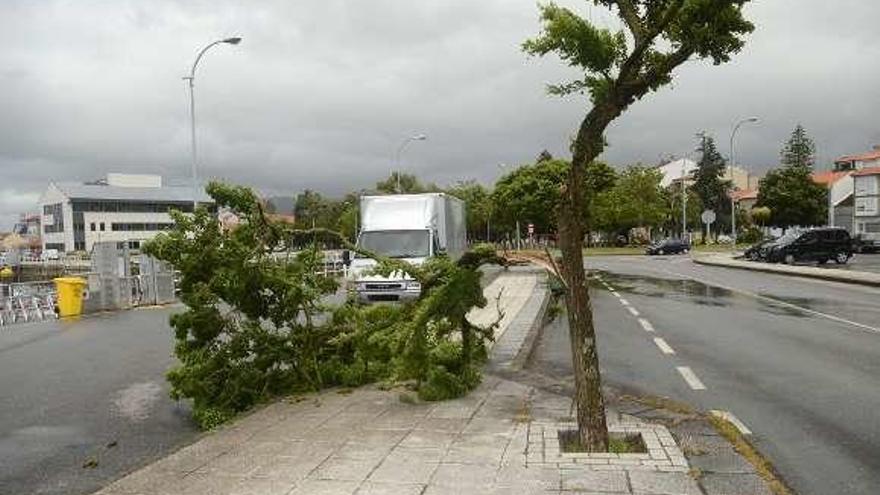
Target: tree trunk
point(589, 143)
point(592, 428)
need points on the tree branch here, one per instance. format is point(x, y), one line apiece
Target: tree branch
point(630, 15)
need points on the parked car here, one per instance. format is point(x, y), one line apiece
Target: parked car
point(758, 251)
point(862, 244)
point(819, 245)
point(668, 246)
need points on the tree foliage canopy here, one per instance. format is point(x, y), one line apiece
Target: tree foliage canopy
point(791, 194)
point(709, 183)
point(799, 150)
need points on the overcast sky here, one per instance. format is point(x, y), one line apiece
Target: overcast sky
point(321, 92)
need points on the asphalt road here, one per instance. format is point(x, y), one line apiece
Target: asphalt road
point(796, 360)
point(92, 389)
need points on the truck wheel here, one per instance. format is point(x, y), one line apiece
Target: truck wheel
point(841, 258)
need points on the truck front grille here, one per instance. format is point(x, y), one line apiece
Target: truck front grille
point(384, 286)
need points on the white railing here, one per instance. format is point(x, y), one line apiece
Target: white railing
point(27, 301)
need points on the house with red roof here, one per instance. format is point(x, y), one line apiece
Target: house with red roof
point(852, 192)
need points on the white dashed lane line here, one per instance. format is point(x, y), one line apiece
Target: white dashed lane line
point(623, 301)
point(646, 325)
point(728, 416)
point(664, 347)
point(691, 378)
point(633, 311)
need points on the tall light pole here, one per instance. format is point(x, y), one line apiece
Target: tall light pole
point(736, 127)
point(417, 137)
point(192, 111)
point(684, 198)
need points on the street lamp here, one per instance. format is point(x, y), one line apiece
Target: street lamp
point(750, 120)
point(417, 137)
point(192, 110)
point(684, 192)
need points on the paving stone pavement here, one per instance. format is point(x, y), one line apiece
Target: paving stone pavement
point(501, 438)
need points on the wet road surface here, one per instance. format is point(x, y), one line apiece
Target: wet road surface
point(796, 360)
point(77, 393)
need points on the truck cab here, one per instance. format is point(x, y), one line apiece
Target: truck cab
point(407, 227)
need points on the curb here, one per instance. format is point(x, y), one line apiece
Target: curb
point(852, 277)
point(533, 313)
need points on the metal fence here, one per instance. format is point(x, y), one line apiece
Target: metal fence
point(29, 301)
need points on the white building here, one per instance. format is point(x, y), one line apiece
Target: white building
point(674, 171)
point(123, 207)
point(852, 198)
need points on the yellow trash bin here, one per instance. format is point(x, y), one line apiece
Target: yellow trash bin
point(70, 295)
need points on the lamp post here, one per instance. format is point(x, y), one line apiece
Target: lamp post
point(736, 127)
point(417, 137)
point(192, 111)
point(684, 160)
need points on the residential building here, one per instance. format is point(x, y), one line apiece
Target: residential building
point(867, 215)
point(843, 198)
point(674, 171)
point(745, 199)
point(683, 168)
point(859, 161)
point(129, 208)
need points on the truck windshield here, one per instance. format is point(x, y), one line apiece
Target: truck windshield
point(397, 243)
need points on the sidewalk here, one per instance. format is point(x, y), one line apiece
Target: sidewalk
point(501, 438)
point(845, 276)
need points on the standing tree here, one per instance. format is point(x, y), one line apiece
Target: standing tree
point(799, 151)
point(409, 184)
point(618, 69)
point(790, 192)
point(709, 182)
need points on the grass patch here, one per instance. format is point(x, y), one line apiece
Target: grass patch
point(618, 443)
point(751, 454)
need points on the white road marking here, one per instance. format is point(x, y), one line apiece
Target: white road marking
point(616, 294)
point(728, 416)
point(633, 311)
point(691, 378)
point(646, 325)
point(623, 301)
point(664, 347)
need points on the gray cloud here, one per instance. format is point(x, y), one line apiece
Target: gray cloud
point(320, 92)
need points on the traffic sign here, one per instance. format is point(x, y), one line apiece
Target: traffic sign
point(708, 217)
point(531, 228)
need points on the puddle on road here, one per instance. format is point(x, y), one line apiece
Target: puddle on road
point(696, 292)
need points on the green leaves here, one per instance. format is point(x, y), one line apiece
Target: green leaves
point(257, 322)
point(620, 66)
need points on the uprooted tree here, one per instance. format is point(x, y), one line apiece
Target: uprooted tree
point(258, 322)
point(618, 68)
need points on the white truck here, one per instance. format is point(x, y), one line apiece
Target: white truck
point(409, 227)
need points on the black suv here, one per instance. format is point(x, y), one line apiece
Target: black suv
point(820, 245)
point(668, 246)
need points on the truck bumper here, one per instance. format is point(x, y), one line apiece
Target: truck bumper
point(387, 296)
